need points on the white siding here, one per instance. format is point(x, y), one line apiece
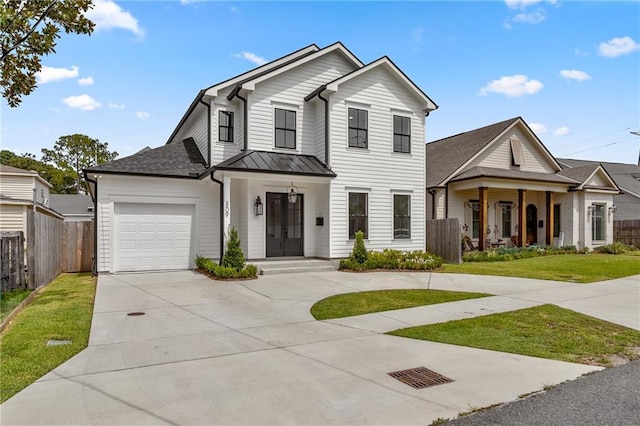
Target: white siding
point(598, 179)
point(220, 151)
point(628, 207)
point(42, 193)
point(203, 194)
point(196, 128)
point(13, 218)
point(20, 187)
point(498, 155)
point(376, 170)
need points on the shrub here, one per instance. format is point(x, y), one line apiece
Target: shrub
point(513, 253)
point(614, 248)
point(225, 272)
point(391, 259)
point(233, 256)
point(359, 252)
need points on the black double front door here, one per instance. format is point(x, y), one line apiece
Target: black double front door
point(284, 225)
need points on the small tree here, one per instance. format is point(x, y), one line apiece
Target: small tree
point(359, 253)
point(233, 256)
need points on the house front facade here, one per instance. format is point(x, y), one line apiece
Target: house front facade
point(298, 155)
point(508, 190)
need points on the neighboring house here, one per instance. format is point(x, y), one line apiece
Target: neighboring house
point(627, 177)
point(297, 155)
point(22, 191)
point(74, 207)
point(507, 188)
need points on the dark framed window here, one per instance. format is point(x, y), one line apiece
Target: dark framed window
point(401, 216)
point(358, 128)
point(285, 128)
point(225, 126)
point(598, 224)
point(475, 219)
point(506, 219)
point(401, 134)
point(556, 220)
point(358, 214)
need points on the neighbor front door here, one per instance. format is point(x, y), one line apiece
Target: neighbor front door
point(284, 225)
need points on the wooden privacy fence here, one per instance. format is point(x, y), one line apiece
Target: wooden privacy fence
point(627, 232)
point(443, 239)
point(12, 260)
point(78, 246)
point(44, 248)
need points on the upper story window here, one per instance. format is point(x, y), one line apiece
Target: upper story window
point(358, 128)
point(285, 129)
point(225, 126)
point(401, 134)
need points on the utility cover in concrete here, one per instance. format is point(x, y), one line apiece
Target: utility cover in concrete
point(58, 342)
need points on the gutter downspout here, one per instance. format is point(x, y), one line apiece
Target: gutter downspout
point(326, 129)
point(208, 105)
point(221, 202)
point(446, 202)
point(94, 272)
point(245, 125)
point(433, 202)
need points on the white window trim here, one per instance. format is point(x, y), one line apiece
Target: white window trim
point(363, 107)
point(358, 190)
point(287, 107)
point(410, 195)
point(604, 223)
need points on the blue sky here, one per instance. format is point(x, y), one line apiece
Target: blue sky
point(570, 69)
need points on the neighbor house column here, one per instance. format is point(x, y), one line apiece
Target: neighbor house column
point(522, 217)
point(549, 218)
point(227, 208)
point(484, 216)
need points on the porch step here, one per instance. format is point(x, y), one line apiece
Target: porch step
point(294, 266)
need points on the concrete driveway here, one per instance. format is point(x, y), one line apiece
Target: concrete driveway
point(208, 352)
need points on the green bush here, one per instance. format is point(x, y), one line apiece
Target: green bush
point(614, 248)
point(513, 253)
point(233, 256)
point(225, 272)
point(391, 259)
point(359, 252)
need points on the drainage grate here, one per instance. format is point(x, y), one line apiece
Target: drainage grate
point(135, 314)
point(420, 377)
point(54, 342)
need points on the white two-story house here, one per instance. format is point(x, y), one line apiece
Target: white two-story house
point(298, 155)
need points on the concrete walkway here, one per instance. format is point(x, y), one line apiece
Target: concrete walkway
point(208, 352)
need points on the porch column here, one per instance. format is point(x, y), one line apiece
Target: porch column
point(549, 218)
point(227, 209)
point(484, 216)
point(522, 217)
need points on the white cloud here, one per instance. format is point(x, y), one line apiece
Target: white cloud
point(251, 57)
point(575, 75)
point(82, 102)
point(618, 46)
point(579, 52)
point(115, 106)
point(107, 14)
point(561, 131)
point(49, 74)
point(88, 81)
point(142, 115)
point(512, 86)
point(530, 18)
point(190, 1)
point(538, 128)
point(522, 4)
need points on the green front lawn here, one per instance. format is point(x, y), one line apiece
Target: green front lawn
point(9, 300)
point(580, 268)
point(61, 311)
point(366, 302)
point(545, 331)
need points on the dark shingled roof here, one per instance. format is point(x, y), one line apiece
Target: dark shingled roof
point(276, 162)
point(476, 172)
point(445, 156)
point(71, 204)
point(579, 174)
point(178, 159)
point(626, 176)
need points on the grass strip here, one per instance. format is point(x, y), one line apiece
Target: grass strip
point(579, 268)
point(546, 331)
point(9, 300)
point(366, 302)
point(61, 311)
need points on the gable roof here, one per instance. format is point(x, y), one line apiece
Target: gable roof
point(15, 171)
point(387, 63)
point(625, 176)
point(180, 159)
point(71, 204)
point(447, 155)
point(275, 162)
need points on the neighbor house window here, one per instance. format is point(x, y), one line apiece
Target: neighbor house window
point(358, 125)
point(475, 219)
point(556, 220)
point(358, 214)
point(598, 223)
point(401, 134)
point(285, 128)
point(401, 216)
point(506, 219)
point(225, 126)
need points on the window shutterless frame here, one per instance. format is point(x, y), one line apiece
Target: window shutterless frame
point(401, 216)
point(358, 214)
point(358, 128)
point(225, 126)
point(401, 134)
point(285, 128)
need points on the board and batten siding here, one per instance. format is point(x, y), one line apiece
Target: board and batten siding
point(499, 155)
point(128, 189)
point(13, 217)
point(288, 91)
point(377, 170)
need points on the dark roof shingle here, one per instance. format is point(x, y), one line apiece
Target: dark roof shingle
point(476, 172)
point(276, 162)
point(626, 176)
point(71, 203)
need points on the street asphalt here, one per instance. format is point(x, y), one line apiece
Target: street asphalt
point(608, 397)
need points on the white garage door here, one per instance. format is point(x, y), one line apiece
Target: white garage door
point(153, 237)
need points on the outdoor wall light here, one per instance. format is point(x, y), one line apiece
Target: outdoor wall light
point(257, 207)
point(613, 209)
point(591, 209)
point(292, 193)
